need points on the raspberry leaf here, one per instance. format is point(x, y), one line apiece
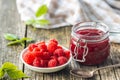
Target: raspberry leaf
point(16, 74)
point(39, 20)
point(15, 40)
point(11, 71)
point(8, 65)
point(29, 22)
point(2, 73)
point(41, 11)
point(42, 22)
point(10, 37)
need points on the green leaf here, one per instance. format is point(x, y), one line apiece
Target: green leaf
point(11, 71)
point(10, 37)
point(2, 73)
point(16, 74)
point(42, 22)
point(41, 11)
point(14, 42)
point(8, 65)
point(30, 22)
point(19, 41)
point(25, 39)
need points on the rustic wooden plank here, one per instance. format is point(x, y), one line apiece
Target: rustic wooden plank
point(37, 35)
point(108, 74)
point(115, 52)
point(10, 23)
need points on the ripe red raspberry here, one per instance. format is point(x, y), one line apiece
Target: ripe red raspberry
point(37, 62)
point(59, 52)
point(28, 58)
point(31, 47)
point(37, 52)
point(62, 60)
point(51, 47)
point(53, 57)
point(42, 45)
point(67, 54)
point(54, 41)
point(52, 63)
point(36, 49)
point(59, 47)
point(44, 63)
point(46, 56)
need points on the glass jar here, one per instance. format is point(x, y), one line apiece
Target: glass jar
point(90, 42)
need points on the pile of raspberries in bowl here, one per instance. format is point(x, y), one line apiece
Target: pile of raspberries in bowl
point(46, 57)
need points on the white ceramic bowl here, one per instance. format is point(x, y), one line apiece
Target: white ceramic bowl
point(45, 70)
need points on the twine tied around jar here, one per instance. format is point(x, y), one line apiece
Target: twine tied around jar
point(76, 50)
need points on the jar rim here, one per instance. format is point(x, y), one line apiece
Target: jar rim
point(91, 23)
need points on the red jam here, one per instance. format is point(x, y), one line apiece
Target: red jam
point(98, 46)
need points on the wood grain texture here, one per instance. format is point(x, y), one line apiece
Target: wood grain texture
point(10, 23)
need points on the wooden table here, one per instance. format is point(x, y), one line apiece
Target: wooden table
point(10, 23)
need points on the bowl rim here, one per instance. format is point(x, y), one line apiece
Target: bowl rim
point(44, 68)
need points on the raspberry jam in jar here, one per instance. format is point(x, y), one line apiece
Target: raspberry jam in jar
point(90, 43)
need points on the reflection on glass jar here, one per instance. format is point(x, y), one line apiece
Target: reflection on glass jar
point(90, 42)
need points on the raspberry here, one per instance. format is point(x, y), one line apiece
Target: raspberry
point(37, 62)
point(45, 63)
point(67, 54)
point(51, 47)
point(54, 41)
point(46, 56)
point(42, 45)
point(59, 47)
point(42, 55)
point(28, 58)
point(31, 47)
point(52, 63)
point(62, 60)
point(41, 42)
point(59, 52)
point(36, 49)
point(37, 52)
point(42, 63)
point(53, 57)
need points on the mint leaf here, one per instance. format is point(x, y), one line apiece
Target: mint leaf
point(41, 11)
point(2, 73)
point(16, 74)
point(29, 22)
point(14, 42)
point(8, 65)
point(11, 71)
point(20, 41)
point(25, 39)
point(10, 37)
point(42, 22)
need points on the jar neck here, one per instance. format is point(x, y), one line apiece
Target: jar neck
point(90, 26)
